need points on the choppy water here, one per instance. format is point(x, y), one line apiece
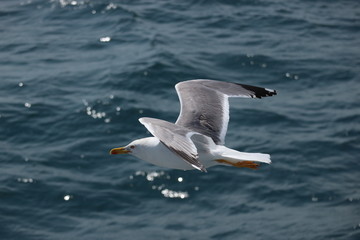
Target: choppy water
point(76, 75)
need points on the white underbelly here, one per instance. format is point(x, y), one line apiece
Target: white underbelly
point(164, 157)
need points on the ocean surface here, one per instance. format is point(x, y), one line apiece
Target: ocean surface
point(76, 75)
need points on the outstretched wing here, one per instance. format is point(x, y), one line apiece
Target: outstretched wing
point(205, 105)
point(176, 138)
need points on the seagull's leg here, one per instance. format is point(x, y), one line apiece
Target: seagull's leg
point(247, 164)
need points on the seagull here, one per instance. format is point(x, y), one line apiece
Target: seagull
point(196, 140)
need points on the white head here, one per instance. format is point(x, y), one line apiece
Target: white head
point(139, 148)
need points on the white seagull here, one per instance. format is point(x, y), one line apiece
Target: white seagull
point(196, 140)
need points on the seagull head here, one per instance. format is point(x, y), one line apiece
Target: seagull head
point(122, 150)
point(137, 147)
point(130, 148)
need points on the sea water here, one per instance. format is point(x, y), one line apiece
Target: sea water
point(76, 75)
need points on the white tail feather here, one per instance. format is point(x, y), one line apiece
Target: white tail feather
point(236, 156)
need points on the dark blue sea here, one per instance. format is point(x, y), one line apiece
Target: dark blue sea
point(75, 76)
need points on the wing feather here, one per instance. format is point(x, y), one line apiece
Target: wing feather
point(205, 105)
point(176, 138)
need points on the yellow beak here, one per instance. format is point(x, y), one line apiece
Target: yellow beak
point(120, 150)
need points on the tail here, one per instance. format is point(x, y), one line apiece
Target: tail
point(234, 156)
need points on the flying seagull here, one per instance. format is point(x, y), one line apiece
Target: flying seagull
point(196, 139)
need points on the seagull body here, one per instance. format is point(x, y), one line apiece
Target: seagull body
point(196, 139)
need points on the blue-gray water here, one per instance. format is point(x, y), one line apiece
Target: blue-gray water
point(76, 75)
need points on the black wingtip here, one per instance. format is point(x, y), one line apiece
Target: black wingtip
point(259, 92)
point(199, 167)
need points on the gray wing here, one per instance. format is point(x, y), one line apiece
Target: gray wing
point(205, 105)
point(176, 138)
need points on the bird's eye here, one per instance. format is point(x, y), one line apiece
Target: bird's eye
point(132, 146)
